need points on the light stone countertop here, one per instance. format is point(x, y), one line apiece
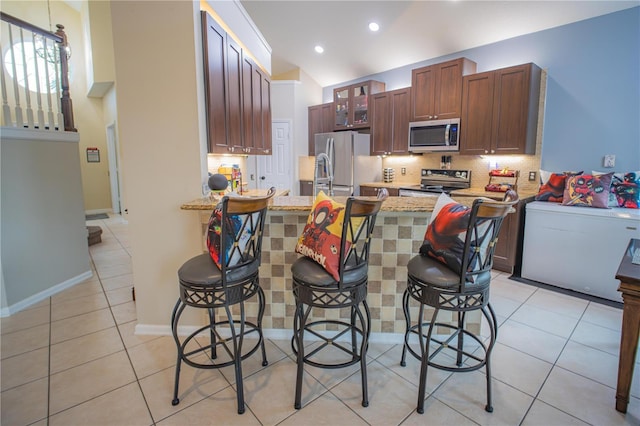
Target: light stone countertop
point(303, 203)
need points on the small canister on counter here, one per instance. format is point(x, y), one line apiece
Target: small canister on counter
point(388, 174)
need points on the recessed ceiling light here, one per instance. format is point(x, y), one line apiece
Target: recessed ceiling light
point(374, 27)
point(319, 49)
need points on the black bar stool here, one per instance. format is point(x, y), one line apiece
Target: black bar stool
point(314, 287)
point(235, 241)
point(433, 281)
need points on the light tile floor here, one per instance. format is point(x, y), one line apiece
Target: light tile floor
point(74, 360)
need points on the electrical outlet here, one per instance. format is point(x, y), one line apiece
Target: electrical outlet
point(403, 170)
point(609, 161)
point(532, 176)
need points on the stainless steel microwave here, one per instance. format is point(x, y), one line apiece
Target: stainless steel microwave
point(434, 135)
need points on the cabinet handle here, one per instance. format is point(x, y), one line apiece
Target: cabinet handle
point(631, 228)
point(486, 152)
point(435, 116)
point(493, 151)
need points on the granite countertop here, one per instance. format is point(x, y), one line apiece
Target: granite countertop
point(480, 192)
point(469, 192)
point(208, 203)
point(284, 202)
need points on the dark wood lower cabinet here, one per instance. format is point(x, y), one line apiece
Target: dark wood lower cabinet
point(508, 254)
point(371, 191)
point(306, 188)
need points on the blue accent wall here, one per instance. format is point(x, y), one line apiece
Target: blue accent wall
point(593, 87)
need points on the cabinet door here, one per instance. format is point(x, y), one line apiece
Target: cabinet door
point(256, 110)
point(320, 121)
point(341, 101)
point(381, 130)
point(448, 91)
point(327, 117)
point(315, 126)
point(306, 188)
point(511, 109)
point(423, 83)
point(266, 114)
point(505, 253)
point(234, 96)
point(214, 40)
point(248, 138)
point(368, 191)
point(477, 111)
point(400, 105)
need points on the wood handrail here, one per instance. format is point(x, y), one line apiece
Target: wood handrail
point(27, 26)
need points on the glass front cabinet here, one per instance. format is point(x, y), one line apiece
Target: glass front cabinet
point(351, 104)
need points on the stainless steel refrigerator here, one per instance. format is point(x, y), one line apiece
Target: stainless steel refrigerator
point(350, 161)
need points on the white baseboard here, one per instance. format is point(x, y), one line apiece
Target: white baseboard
point(39, 297)
point(98, 211)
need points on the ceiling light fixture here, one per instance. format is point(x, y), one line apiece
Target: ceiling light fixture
point(319, 49)
point(374, 27)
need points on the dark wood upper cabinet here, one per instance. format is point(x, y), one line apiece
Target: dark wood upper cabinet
point(234, 95)
point(500, 111)
point(390, 122)
point(436, 90)
point(238, 95)
point(351, 104)
point(320, 121)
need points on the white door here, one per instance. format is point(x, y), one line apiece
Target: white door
point(277, 169)
point(114, 182)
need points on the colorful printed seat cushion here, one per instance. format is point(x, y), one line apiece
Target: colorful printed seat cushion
point(587, 190)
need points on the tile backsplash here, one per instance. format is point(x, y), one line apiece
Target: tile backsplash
point(479, 166)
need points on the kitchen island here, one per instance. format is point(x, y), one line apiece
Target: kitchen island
point(398, 235)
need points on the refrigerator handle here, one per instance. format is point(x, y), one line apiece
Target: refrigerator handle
point(332, 153)
point(327, 146)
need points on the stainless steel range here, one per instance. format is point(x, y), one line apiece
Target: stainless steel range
point(433, 182)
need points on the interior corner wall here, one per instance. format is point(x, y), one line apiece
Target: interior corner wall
point(161, 135)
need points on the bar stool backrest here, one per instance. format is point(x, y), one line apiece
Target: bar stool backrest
point(241, 231)
point(482, 235)
point(359, 221)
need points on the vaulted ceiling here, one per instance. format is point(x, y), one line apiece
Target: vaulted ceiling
point(410, 31)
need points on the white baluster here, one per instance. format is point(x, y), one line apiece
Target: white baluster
point(27, 95)
point(6, 109)
point(40, 123)
point(16, 88)
point(60, 120)
point(50, 117)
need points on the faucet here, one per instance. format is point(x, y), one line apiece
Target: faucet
point(319, 179)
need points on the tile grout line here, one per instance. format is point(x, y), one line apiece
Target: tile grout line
point(49, 363)
point(117, 326)
point(553, 366)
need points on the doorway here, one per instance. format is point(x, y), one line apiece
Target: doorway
point(276, 169)
point(114, 181)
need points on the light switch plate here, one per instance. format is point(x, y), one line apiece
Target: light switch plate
point(609, 161)
point(532, 175)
